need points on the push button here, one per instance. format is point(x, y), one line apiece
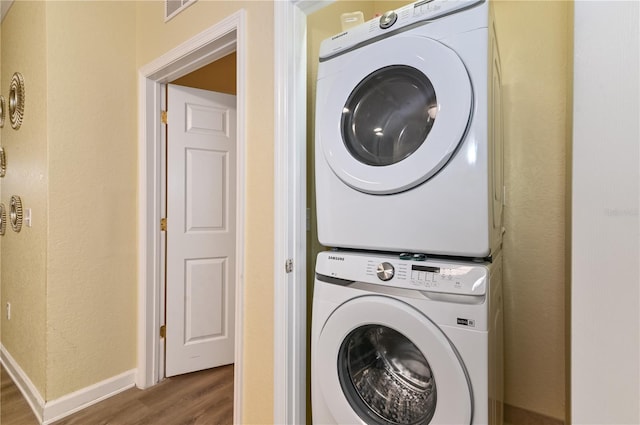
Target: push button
point(389, 18)
point(385, 271)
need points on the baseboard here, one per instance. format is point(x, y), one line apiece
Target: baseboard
point(24, 384)
point(66, 405)
point(51, 411)
point(518, 416)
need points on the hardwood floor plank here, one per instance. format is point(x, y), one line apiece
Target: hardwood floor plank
point(200, 398)
point(15, 409)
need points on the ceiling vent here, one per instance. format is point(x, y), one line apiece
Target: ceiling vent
point(173, 7)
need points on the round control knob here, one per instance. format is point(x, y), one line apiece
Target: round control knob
point(389, 18)
point(385, 271)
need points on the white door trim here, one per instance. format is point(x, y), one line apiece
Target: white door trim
point(217, 41)
point(290, 295)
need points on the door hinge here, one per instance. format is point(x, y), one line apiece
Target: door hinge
point(163, 224)
point(163, 331)
point(163, 117)
point(288, 265)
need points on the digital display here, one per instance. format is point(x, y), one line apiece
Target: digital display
point(425, 269)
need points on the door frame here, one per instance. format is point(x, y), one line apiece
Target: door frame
point(290, 189)
point(213, 43)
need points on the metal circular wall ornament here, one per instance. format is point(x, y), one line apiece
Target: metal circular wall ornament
point(3, 162)
point(16, 100)
point(3, 110)
point(15, 213)
point(3, 220)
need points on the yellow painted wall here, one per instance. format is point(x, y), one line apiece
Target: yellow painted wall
point(24, 254)
point(568, 248)
point(154, 37)
point(73, 275)
point(382, 6)
point(71, 278)
point(92, 155)
point(1, 303)
point(218, 76)
point(535, 50)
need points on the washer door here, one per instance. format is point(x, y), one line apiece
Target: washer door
point(394, 114)
point(383, 362)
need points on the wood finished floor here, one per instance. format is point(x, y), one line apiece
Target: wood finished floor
point(200, 398)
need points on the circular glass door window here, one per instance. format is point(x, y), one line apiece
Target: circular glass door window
point(389, 115)
point(385, 377)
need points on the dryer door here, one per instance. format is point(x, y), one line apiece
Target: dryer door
point(394, 113)
point(384, 362)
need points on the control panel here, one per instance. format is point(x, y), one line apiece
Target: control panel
point(452, 277)
point(425, 10)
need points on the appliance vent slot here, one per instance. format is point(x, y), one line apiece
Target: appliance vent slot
point(173, 7)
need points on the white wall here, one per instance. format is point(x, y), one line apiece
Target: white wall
point(605, 359)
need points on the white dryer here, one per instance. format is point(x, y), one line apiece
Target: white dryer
point(409, 133)
point(406, 342)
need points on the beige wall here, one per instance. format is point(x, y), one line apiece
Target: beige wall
point(218, 76)
point(92, 156)
point(535, 49)
point(24, 254)
point(72, 277)
point(1, 303)
point(154, 38)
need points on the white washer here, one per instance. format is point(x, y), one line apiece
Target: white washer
point(406, 342)
point(409, 133)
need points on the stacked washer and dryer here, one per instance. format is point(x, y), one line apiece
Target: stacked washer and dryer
point(407, 309)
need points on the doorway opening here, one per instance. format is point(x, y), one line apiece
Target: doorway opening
point(220, 41)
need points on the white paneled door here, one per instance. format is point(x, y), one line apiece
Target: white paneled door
point(201, 190)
